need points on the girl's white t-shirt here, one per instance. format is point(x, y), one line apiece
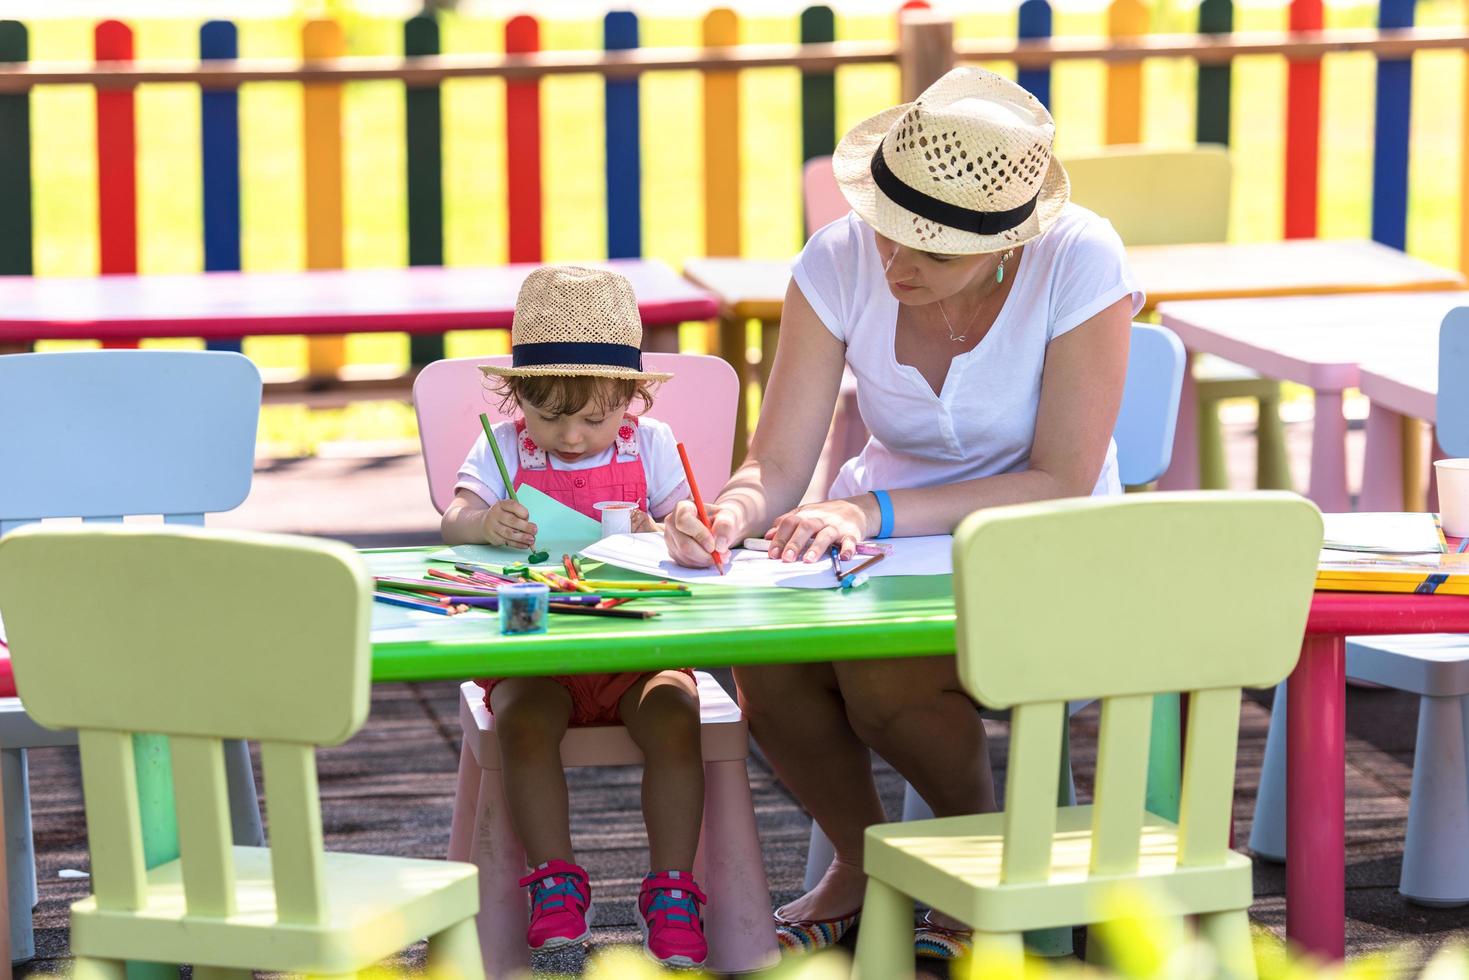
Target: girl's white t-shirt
point(982, 423)
point(657, 448)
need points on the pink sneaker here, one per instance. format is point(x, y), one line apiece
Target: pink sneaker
point(673, 929)
point(560, 899)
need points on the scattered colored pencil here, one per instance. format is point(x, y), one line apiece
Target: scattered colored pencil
point(633, 586)
point(478, 574)
point(688, 471)
point(396, 599)
point(863, 547)
point(493, 602)
point(836, 562)
point(536, 576)
point(573, 574)
point(434, 585)
point(610, 593)
point(849, 580)
point(605, 611)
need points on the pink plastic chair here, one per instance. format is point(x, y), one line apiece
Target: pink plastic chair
point(449, 396)
point(700, 405)
point(848, 434)
point(728, 865)
point(824, 202)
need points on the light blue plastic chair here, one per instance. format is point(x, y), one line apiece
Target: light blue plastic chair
point(100, 435)
point(1434, 666)
point(1144, 437)
point(1149, 412)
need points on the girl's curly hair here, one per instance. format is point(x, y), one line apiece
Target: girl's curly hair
point(569, 394)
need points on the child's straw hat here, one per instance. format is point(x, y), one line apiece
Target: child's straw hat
point(967, 168)
point(574, 320)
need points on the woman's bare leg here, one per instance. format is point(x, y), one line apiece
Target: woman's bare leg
point(797, 715)
point(531, 715)
point(916, 715)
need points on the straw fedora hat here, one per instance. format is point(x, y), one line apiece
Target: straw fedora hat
point(575, 320)
point(966, 168)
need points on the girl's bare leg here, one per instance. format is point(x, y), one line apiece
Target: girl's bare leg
point(661, 713)
point(531, 715)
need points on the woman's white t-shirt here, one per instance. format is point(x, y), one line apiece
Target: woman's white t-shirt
point(982, 423)
point(657, 448)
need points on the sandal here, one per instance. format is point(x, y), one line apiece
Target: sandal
point(810, 935)
point(934, 942)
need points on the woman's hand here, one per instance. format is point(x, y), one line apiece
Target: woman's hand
point(642, 522)
point(507, 525)
point(808, 532)
point(690, 543)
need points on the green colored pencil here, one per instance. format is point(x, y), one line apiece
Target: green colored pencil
point(484, 420)
point(641, 594)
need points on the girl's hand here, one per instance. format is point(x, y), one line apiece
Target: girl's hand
point(642, 522)
point(507, 525)
point(690, 542)
point(808, 532)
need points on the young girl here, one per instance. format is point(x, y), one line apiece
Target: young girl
point(577, 369)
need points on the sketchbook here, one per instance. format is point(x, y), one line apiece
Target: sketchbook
point(648, 554)
point(1382, 533)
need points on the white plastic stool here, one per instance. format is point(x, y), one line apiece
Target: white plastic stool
point(728, 866)
point(1434, 666)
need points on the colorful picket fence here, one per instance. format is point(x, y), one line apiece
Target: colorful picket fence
point(322, 41)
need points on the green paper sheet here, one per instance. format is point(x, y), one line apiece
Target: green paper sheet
point(559, 531)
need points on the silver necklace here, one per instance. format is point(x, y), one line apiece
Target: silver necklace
point(999, 278)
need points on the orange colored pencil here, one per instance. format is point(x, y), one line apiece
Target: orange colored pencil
point(699, 504)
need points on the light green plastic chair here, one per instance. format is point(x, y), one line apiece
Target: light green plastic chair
point(1172, 197)
point(202, 636)
point(1119, 599)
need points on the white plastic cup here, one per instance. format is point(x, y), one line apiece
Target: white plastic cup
point(616, 516)
point(1453, 495)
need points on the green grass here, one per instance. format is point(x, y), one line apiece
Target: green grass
point(474, 182)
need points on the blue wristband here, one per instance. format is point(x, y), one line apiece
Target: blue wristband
point(885, 510)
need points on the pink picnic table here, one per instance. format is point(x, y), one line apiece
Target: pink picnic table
point(217, 305)
point(1317, 341)
point(1315, 884)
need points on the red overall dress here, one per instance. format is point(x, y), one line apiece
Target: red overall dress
point(594, 696)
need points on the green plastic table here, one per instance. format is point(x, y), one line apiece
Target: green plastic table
point(718, 626)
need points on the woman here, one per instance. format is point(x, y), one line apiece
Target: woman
point(986, 322)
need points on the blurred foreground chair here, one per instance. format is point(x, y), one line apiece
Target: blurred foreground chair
point(1036, 865)
point(103, 434)
point(1434, 666)
point(1173, 197)
point(699, 403)
point(292, 626)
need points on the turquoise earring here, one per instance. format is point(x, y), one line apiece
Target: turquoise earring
point(1000, 269)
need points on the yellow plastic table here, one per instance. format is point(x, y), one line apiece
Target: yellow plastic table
point(754, 289)
point(1300, 267)
point(746, 289)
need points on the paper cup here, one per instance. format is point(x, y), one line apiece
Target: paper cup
point(1453, 495)
point(616, 516)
